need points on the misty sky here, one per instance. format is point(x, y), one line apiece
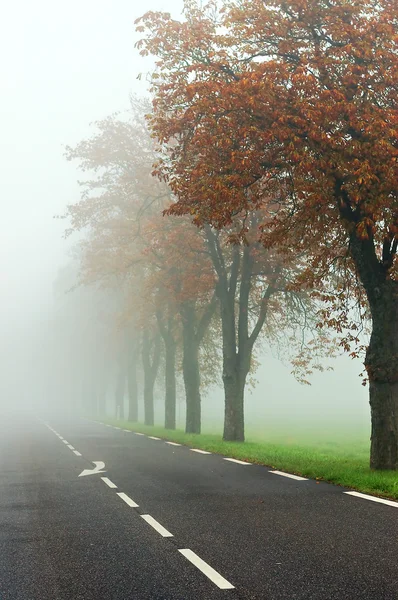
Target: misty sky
point(63, 66)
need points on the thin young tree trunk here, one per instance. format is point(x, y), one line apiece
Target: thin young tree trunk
point(151, 368)
point(170, 382)
point(119, 394)
point(132, 382)
point(170, 347)
point(191, 374)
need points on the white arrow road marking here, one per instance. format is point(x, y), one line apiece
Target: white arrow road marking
point(98, 466)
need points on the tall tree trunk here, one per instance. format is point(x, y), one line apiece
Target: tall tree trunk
point(151, 367)
point(191, 372)
point(382, 367)
point(132, 382)
point(119, 395)
point(382, 355)
point(234, 419)
point(170, 382)
point(233, 379)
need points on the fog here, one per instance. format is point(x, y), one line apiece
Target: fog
point(63, 70)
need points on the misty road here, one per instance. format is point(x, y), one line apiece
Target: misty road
point(168, 523)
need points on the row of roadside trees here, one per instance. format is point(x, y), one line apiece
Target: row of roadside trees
point(275, 163)
point(192, 301)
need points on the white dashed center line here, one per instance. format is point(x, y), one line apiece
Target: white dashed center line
point(239, 462)
point(199, 451)
point(156, 525)
point(289, 475)
point(380, 500)
point(127, 499)
point(62, 439)
point(207, 570)
point(108, 482)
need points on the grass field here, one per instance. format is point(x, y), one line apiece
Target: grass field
point(334, 455)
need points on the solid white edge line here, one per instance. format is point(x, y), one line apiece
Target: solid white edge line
point(117, 427)
point(156, 525)
point(76, 452)
point(373, 498)
point(137, 433)
point(239, 462)
point(173, 443)
point(152, 437)
point(297, 477)
point(70, 447)
point(128, 430)
point(199, 451)
point(108, 482)
point(127, 499)
point(207, 570)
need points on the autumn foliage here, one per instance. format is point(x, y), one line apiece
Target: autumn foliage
point(293, 106)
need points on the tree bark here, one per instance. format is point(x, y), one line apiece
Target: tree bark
point(170, 382)
point(381, 360)
point(233, 377)
point(150, 361)
point(119, 394)
point(382, 368)
point(191, 372)
point(193, 332)
point(133, 386)
point(234, 419)
point(237, 342)
point(170, 346)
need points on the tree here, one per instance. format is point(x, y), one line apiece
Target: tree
point(182, 274)
point(295, 102)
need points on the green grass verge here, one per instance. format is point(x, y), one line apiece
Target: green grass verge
point(339, 459)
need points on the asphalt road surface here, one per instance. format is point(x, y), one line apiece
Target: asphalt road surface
point(160, 521)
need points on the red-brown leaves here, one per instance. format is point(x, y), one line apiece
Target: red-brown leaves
point(301, 95)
